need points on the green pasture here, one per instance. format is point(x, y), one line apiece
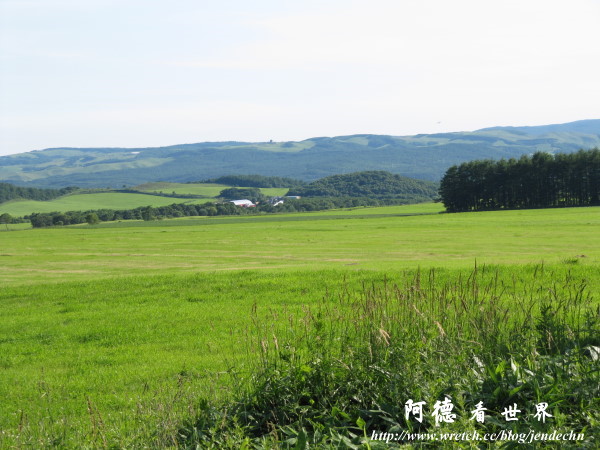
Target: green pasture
point(204, 189)
point(122, 200)
point(274, 192)
point(130, 345)
point(418, 208)
point(348, 240)
point(15, 226)
point(112, 334)
point(83, 202)
point(126, 361)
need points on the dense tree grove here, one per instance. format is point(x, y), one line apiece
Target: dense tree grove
point(10, 192)
point(253, 194)
point(374, 184)
point(542, 180)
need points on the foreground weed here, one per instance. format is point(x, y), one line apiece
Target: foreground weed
point(346, 367)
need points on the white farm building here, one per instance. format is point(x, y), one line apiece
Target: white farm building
point(244, 203)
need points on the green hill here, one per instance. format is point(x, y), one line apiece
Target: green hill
point(372, 184)
point(378, 185)
point(94, 201)
point(423, 156)
point(33, 200)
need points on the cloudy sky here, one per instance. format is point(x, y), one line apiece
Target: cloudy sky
point(134, 73)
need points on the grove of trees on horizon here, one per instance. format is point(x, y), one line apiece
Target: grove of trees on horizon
point(541, 180)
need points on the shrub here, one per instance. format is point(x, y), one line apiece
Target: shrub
point(345, 369)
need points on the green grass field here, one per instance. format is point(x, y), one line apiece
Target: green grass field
point(205, 189)
point(112, 334)
point(122, 200)
point(352, 240)
point(84, 202)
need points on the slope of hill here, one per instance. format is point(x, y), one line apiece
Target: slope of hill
point(424, 156)
point(149, 194)
point(95, 201)
point(581, 126)
point(372, 184)
point(368, 188)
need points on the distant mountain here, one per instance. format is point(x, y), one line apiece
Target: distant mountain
point(579, 127)
point(423, 156)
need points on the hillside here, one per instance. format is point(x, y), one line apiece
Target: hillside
point(356, 189)
point(423, 156)
point(372, 184)
point(33, 200)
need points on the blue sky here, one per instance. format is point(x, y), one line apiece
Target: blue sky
point(133, 73)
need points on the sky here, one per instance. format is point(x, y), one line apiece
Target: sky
point(147, 73)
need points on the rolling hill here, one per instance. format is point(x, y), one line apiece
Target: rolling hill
point(423, 156)
point(148, 194)
point(373, 185)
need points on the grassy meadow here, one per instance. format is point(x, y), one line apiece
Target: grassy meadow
point(364, 238)
point(125, 200)
point(204, 189)
point(83, 202)
point(132, 334)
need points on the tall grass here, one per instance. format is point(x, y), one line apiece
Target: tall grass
point(326, 356)
point(345, 367)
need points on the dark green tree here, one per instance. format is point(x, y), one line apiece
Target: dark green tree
point(541, 180)
point(5, 218)
point(252, 194)
point(148, 213)
point(92, 218)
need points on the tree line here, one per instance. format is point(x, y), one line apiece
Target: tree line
point(11, 192)
point(40, 220)
point(541, 180)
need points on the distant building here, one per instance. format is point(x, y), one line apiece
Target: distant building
point(243, 203)
point(293, 196)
